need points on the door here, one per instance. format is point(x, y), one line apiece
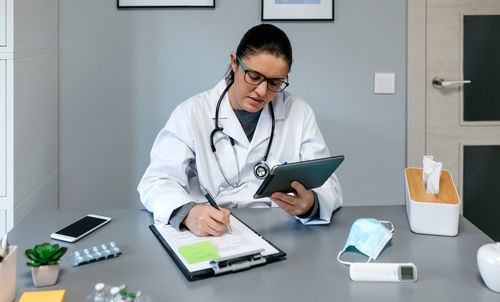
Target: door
point(462, 110)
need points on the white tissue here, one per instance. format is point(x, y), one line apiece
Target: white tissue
point(431, 174)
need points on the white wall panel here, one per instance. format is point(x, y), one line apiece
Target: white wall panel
point(28, 108)
point(3, 23)
point(3, 128)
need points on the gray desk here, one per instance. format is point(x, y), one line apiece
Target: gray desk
point(447, 269)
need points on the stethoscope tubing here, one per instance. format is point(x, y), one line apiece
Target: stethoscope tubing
point(220, 129)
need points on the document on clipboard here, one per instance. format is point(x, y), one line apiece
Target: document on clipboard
point(201, 257)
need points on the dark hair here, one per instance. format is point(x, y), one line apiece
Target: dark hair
point(265, 38)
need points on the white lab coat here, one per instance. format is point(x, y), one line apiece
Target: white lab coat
point(184, 144)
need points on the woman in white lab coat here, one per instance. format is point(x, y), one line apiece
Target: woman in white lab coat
point(224, 140)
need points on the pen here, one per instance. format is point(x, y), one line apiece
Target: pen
point(211, 201)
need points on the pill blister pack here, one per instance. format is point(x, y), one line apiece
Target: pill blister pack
point(94, 254)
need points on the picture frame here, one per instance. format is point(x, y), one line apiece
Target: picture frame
point(164, 3)
point(297, 10)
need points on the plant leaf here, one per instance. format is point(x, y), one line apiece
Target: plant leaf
point(39, 251)
point(30, 254)
point(44, 253)
point(33, 264)
point(53, 250)
point(58, 254)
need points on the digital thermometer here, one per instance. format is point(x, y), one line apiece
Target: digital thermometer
point(383, 272)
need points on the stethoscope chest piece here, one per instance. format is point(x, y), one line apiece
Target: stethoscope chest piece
point(261, 170)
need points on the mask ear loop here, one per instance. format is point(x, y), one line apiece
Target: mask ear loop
point(347, 262)
point(342, 261)
point(390, 223)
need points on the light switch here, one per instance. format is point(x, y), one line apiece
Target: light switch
point(385, 82)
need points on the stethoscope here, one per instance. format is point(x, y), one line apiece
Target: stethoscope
point(261, 169)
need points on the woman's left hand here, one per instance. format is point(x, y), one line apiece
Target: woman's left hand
point(298, 204)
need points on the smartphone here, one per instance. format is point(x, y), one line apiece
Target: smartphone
point(80, 228)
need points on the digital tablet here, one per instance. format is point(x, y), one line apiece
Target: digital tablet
point(310, 173)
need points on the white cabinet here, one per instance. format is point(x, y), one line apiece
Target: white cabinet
point(3, 129)
point(28, 108)
point(3, 23)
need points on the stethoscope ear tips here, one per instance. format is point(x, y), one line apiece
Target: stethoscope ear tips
point(261, 170)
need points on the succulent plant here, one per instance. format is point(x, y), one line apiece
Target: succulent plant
point(45, 254)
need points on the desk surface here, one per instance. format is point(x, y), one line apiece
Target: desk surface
point(447, 269)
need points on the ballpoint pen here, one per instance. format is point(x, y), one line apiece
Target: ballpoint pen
point(211, 201)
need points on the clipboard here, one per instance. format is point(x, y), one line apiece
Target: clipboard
point(259, 252)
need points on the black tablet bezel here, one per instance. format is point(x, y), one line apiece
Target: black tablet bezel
point(306, 168)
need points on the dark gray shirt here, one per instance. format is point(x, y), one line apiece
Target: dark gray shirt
point(248, 121)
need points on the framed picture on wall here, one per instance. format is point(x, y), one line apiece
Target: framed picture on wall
point(297, 10)
point(165, 3)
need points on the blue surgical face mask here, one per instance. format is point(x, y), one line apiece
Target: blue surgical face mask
point(369, 236)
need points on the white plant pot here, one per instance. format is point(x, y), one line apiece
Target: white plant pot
point(45, 275)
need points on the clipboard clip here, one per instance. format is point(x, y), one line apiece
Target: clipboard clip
point(237, 262)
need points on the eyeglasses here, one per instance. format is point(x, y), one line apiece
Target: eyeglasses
point(255, 78)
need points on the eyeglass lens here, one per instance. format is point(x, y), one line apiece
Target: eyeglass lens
point(255, 78)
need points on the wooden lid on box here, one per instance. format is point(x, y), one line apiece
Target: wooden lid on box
point(447, 192)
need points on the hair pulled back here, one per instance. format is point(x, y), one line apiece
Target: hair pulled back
point(264, 38)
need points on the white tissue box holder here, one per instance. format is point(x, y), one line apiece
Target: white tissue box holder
point(8, 276)
point(434, 214)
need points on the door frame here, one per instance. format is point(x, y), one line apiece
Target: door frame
point(416, 81)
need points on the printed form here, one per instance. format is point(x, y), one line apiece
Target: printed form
point(242, 240)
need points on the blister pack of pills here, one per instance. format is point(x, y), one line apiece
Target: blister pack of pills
point(94, 254)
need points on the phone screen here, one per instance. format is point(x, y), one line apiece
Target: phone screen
point(81, 226)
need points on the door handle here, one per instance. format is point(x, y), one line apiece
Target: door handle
point(441, 83)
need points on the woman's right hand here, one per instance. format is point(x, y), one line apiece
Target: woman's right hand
point(205, 220)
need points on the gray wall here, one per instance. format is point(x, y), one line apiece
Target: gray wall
point(122, 72)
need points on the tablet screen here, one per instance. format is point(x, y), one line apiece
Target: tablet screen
point(311, 174)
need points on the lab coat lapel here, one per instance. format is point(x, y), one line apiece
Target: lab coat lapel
point(263, 131)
